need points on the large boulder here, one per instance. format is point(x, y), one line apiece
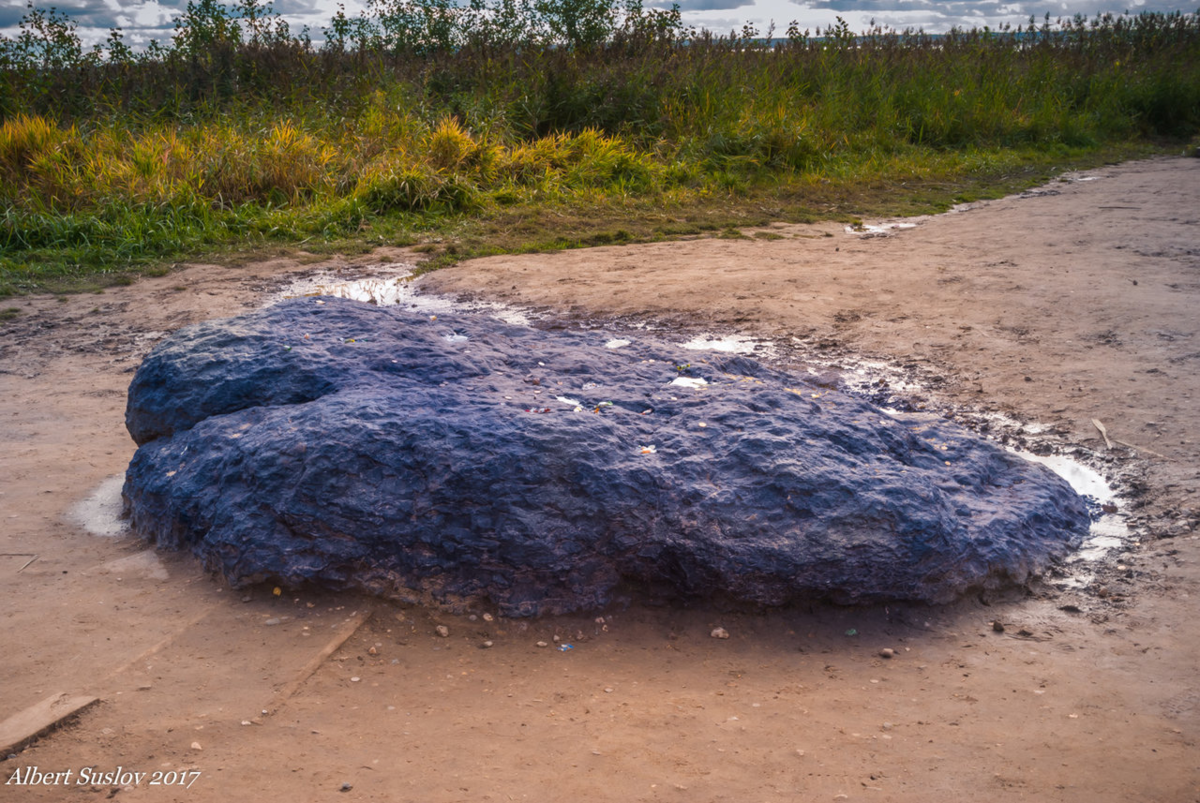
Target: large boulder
point(458, 459)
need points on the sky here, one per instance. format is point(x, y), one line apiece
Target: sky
point(143, 20)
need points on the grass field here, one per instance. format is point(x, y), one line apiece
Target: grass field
point(531, 126)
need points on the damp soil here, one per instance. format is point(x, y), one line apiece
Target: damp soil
point(1029, 319)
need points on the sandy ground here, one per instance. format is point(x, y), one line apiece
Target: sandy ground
point(1075, 302)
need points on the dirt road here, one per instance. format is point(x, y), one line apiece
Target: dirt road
point(1075, 302)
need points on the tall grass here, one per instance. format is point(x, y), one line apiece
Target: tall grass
point(427, 109)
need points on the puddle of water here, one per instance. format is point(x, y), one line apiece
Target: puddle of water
point(391, 285)
point(1109, 532)
point(100, 512)
point(863, 377)
point(730, 344)
point(1084, 480)
point(1097, 547)
point(884, 229)
point(887, 228)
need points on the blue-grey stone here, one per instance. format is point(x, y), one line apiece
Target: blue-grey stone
point(347, 446)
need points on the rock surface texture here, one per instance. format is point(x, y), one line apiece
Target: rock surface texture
point(458, 459)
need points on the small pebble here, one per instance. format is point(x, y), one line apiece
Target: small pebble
point(487, 617)
point(443, 631)
point(346, 787)
point(372, 651)
point(272, 622)
point(487, 644)
point(719, 632)
point(997, 626)
point(542, 644)
point(196, 746)
point(887, 652)
point(355, 680)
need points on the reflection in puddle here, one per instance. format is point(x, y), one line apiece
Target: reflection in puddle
point(1105, 537)
point(889, 227)
point(381, 292)
point(729, 344)
point(391, 285)
point(1084, 480)
point(885, 229)
point(1109, 532)
point(866, 377)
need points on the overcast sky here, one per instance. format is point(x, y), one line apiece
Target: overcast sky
point(143, 20)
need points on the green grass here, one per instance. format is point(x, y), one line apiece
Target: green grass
point(631, 130)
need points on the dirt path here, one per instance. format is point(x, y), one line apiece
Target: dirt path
point(1072, 303)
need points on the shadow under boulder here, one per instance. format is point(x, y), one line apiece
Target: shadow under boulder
point(457, 459)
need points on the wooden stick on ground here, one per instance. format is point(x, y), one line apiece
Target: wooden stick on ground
point(340, 638)
point(1140, 449)
point(155, 649)
point(24, 726)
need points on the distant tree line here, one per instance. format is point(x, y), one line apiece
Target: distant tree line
point(236, 56)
